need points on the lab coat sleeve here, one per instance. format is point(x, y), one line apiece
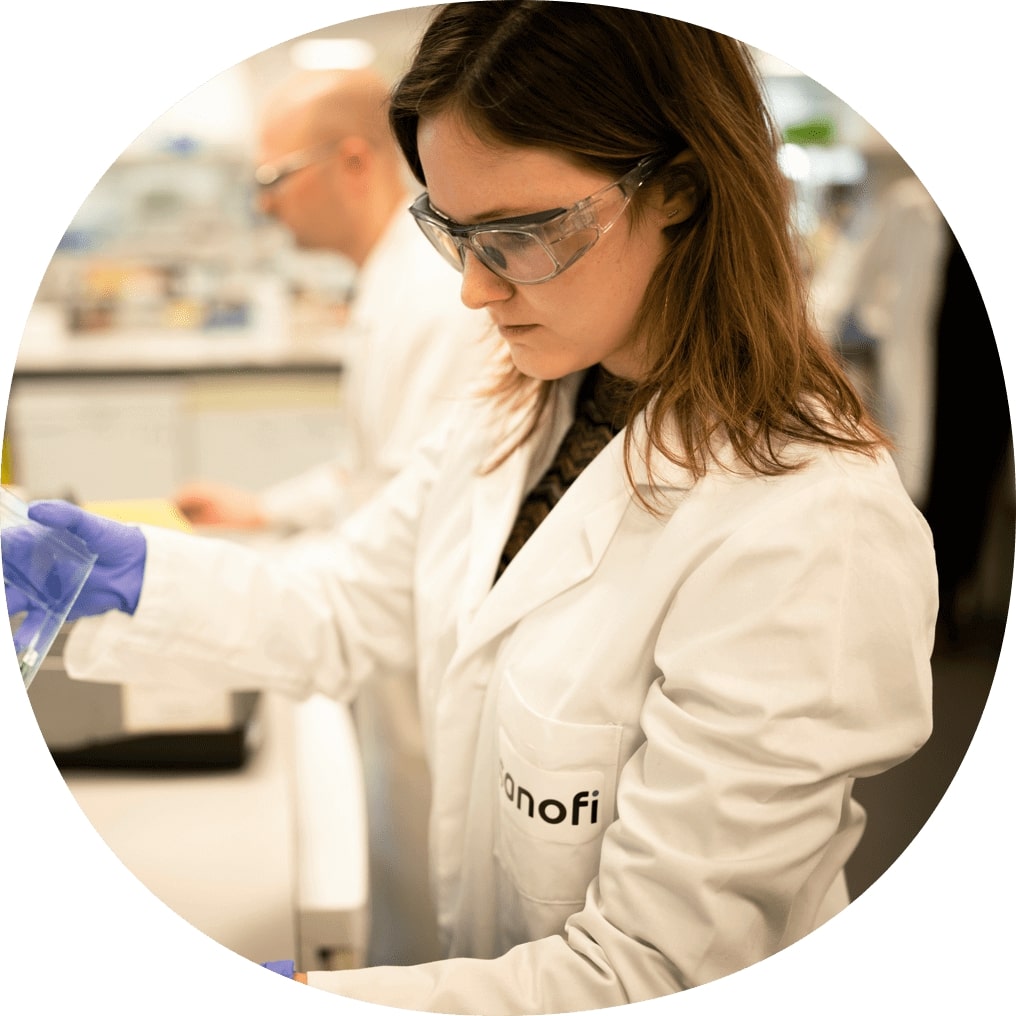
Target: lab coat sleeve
point(314, 499)
point(787, 667)
point(402, 392)
point(218, 615)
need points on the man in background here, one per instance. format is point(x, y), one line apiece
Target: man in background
point(331, 173)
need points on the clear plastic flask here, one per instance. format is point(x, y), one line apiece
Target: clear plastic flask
point(44, 570)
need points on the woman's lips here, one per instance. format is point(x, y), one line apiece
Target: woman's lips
point(514, 331)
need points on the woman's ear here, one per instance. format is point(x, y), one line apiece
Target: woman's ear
point(679, 189)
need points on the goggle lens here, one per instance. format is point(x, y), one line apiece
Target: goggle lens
point(549, 244)
point(518, 257)
point(445, 245)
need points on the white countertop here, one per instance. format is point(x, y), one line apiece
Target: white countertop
point(270, 860)
point(47, 347)
point(175, 351)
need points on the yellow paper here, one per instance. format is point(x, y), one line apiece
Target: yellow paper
point(148, 511)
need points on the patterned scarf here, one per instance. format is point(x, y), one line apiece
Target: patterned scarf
point(600, 412)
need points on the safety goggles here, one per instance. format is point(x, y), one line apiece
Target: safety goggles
point(533, 248)
point(271, 174)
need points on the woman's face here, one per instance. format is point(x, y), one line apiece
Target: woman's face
point(581, 317)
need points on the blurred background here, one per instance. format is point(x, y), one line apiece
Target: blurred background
point(178, 333)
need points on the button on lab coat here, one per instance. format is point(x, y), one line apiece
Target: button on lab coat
point(712, 678)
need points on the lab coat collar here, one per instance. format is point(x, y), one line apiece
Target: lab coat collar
point(569, 543)
point(373, 283)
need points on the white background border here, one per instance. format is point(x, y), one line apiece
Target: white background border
point(79, 82)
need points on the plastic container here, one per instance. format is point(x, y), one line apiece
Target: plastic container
point(44, 570)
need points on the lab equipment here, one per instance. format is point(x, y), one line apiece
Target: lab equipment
point(90, 725)
point(44, 572)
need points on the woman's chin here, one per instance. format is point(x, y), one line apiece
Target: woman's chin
point(539, 367)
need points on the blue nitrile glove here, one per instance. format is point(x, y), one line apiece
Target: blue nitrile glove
point(44, 570)
point(115, 580)
point(284, 967)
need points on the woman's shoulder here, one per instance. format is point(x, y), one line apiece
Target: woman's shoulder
point(817, 478)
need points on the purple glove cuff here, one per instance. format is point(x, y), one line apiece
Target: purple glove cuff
point(132, 570)
point(285, 967)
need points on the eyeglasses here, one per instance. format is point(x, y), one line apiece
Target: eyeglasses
point(271, 174)
point(533, 248)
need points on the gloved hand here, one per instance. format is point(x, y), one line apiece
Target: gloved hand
point(115, 579)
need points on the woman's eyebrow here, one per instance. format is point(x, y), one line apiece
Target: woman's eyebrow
point(486, 216)
point(500, 214)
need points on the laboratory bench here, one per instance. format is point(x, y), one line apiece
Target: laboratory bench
point(243, 812)
point(125, 353)
point(264, 850)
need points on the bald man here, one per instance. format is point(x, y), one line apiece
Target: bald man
point(331, 173)
point(330, 170)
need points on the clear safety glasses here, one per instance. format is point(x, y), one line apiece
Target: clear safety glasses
point(271, 174)
point(533, 248)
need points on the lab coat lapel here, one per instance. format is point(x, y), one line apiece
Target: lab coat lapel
point(496, 497)
point(562, 552)
point(568, 544)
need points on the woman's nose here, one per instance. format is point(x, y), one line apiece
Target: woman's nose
point(480, 286)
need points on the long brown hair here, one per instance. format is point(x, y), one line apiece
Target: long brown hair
point(731, 350)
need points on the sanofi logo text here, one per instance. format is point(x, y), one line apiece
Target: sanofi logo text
point(581, 807)
point(546, 794)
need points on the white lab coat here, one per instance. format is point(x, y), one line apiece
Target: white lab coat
point(643, 739)
point(891, 279)
point(412, 351)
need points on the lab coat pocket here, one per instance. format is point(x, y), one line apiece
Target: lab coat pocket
point(556, 785)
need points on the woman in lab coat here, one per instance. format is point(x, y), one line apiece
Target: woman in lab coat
point(649, 681)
